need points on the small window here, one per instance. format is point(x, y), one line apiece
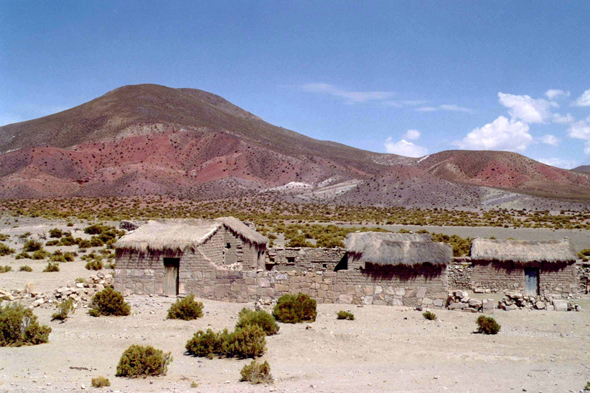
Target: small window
point(290, 259)
point(325, 265)
point(228, 245)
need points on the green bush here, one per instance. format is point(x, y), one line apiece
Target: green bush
point(52, 243)
point(4, 237)
point(94, 265)
point(143, 361)
point(295, 308)
point(55, 233)
point(186, 309)
point(65, 309)
point(69, 256)
point(40, 254)
point(67, 241)
point(51, 268)
point(429, 315)
point(26, 268)
point(96, 242)
point(256, 373)
point(5, 250)
point(5, 269)
point(19, 326)
point(245, 342)
point(23, 255)
point(487, 325)
point(345, 315)
point(109, 302)
point(260, 318)
point(206, 344)
point(100, 382)
point(83, 243)
point(32, 246)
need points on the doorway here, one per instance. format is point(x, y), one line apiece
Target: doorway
point(171, 279)
point(531, 275)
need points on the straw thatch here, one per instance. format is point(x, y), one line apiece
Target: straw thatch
point(398, 249)
point(180, 235)
point(519, 251)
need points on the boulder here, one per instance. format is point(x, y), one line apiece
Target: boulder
point(457, 306)
point(560, 305)
point(438, 302)
point(345, 299)
point(30, 288)
point(540, 305)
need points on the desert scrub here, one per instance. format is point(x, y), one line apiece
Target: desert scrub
point(256, 373)
point(40, 254)
point(429, 315)
point(246, 342)
point(260, 318)
point(51, 268)
point(487, 325)
point(108, 302)
point(345, 315)
point(186, 309)
point(100, 382)
point(5, 269)
point(65, 309)
point(94, 265)
point(55, 233)
point(26, 268)
point(19, 326)
point(32, 246)
point(143, 361)
point(295, 308)
point(5, 250)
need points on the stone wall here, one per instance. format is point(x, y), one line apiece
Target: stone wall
point(304, 259)
point(425, 285)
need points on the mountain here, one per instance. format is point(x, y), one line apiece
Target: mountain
point(150, 139)
point(582, 168)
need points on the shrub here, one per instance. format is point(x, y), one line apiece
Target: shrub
point(65, 309)
point(345, 315)
point(143, 361)
point(206, 344)
point(83, 243)
point(186, 309)
point(40, 254)
point(429, 315)
point(487, 325)
point(256, 373)
point(5, 250)
point(32, 245)
point(23, 255)
point(5, 269)
point(4, 237)
point(51, 267)
point(94, 265)
point(26, 268)
point(100, 382)
point(96, 242)
point(55, 233)
point(246, 342)
point(249, 341)
point(260, 318)
point(69, 256)
point(67, 241)
point(109, 302)
point(295, 308)
point(19, 326)
point(52, 243)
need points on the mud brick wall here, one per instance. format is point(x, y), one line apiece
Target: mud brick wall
point(460, 276)
point(304, 258)
point(553, 278)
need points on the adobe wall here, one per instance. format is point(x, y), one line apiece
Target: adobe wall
point(304, 259)
point(138, 273)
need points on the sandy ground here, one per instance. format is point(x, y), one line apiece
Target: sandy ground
point(386, 349)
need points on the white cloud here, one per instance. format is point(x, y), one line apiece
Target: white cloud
point(426, 109)
point(567, 119)
point(412, 134)
point(527, 109)
point(556, 93)
point(580, 129)
point(349, 96)
point(583, 100)
point(550, 140)
point(454, 108)
point(404, 148)
point(558, 162)
point(501, 134)
point(404, 103)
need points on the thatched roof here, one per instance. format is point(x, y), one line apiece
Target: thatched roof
point(183, 234)
point(522, 251)
point(398, 249)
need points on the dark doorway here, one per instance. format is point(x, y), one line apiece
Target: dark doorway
point(343, 264)
point(171, 279)
point(531, 275)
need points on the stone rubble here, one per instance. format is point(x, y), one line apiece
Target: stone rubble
point(518, 301)
point(460, 300)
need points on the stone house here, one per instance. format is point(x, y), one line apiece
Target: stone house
point(531, 267)
point(306, 259)
point(171, 258)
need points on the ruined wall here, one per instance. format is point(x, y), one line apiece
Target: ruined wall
point(304, 259)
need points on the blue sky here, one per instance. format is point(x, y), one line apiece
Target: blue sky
point(408, 77)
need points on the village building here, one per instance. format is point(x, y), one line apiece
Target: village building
point(172, 258)
point(306, 259)
point(531, 267)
